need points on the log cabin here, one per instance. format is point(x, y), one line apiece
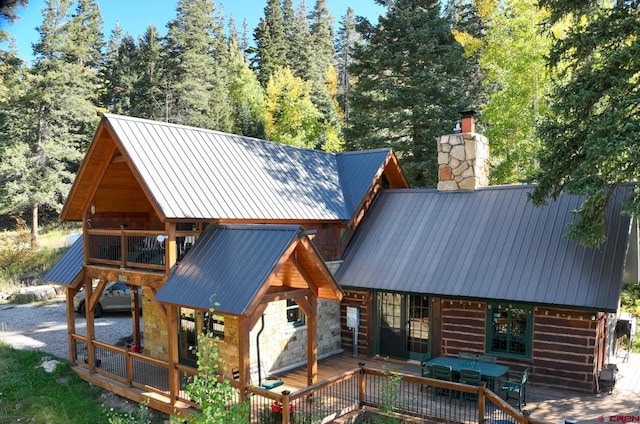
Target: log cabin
point(287, 245)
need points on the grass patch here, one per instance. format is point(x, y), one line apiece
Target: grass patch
point(30, 394)
point(20, 266)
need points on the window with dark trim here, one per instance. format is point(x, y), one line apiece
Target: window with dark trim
point(509, 329)
point(295, 316)
point(213, 325)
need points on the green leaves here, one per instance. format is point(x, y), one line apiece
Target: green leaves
point(590, 133)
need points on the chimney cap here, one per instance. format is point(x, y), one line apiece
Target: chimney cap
point(467, 113)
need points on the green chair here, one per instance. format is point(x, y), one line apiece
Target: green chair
point(471, 378)
point(425, 369)
point(487, 358)
point(514, 388)
point(468, 355)
point(444, 373)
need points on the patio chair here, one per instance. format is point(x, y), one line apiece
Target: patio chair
point(487, 358)
point(425, 370)
point(444, 373)
point(471, 378)
point(468, 355)
point(514, 388)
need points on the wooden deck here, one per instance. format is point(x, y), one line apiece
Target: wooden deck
point(544, 404)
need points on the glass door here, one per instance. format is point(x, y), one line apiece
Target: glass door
point(393, 330)
point(403, 325)
point(418, 332)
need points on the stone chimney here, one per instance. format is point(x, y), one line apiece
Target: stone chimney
point(463, 157)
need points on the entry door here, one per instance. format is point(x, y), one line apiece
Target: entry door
point(404, 325)
point(393, 327)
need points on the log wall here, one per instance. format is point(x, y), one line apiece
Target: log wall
point(365, 302)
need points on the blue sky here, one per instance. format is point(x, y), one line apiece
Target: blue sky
point(135, 15)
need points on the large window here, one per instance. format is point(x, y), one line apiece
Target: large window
point(213, 325)
point(509, 329)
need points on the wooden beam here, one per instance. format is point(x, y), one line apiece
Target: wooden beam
point(282, 293)
point(172, 352)
point(312, 340)
point(244, 360)
point(94, 296)
point(256, 314)
point(71, 325)
point(135, 314)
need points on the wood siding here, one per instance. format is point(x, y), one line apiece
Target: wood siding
point(364, 301)
point(463, 326)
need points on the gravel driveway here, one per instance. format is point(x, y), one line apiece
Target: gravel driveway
point(43, 326)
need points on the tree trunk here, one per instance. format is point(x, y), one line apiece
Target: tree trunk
point(34, 227)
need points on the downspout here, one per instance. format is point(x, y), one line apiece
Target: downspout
point(258, 351)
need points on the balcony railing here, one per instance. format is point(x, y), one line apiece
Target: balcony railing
point(350, 391)
point(126, 248)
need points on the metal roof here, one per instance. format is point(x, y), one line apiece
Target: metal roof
point(490, 243)
point(68, 267)
point(198, 173)
point(227, 266)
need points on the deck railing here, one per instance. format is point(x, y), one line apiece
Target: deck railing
point(127, 248)
point(389, 392)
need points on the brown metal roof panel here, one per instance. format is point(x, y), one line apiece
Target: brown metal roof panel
point(68, 267)
point(490, 243)
point(228, 266)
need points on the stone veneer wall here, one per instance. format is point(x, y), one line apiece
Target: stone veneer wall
point(154, 332)
point(283, 346)
point(463, 162)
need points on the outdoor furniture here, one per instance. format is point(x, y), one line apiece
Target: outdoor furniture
point(490, 372)
point(487, 358)
point(425, 370)
point(444, 373)
point(471, 378)
point(514, 388)
point(468, 355)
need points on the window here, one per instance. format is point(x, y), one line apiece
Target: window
point(213, 325)
point(509, 329)
point(295, 316)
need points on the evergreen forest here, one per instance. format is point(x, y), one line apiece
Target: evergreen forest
point(555, 86)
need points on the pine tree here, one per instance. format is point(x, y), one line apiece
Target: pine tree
point(198, 85)
point(322, 76)
point(411, 85)
point(270, 38)
point(151, 97)
point(590, 134)
point(348, 37)
point(120, 72)
point(59, 111)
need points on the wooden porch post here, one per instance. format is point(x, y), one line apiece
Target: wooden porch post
point(309, 305)
point(71, 326)
point(174, 378)
point(244, 360)
point(135, 322)
point(91, 333)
